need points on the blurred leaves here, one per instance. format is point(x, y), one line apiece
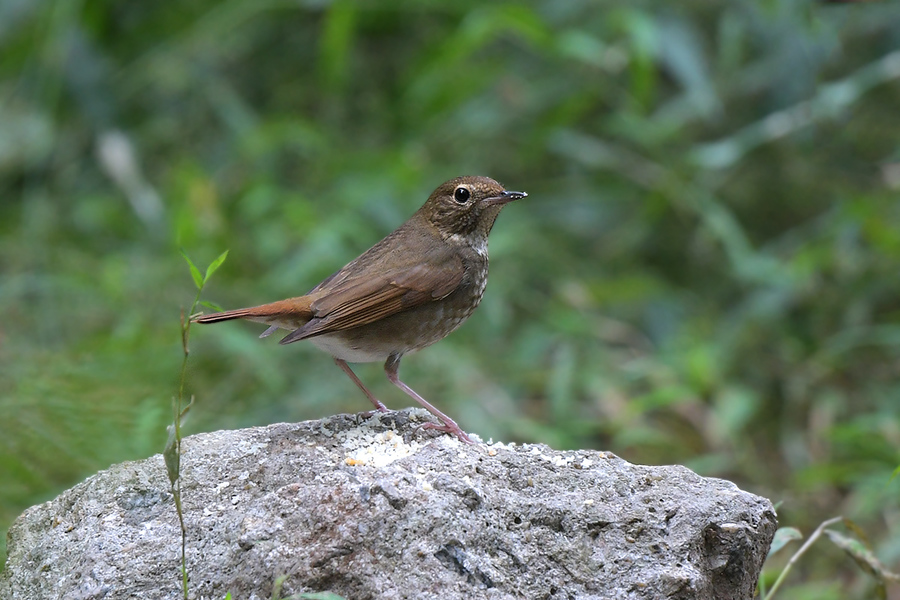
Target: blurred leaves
point(783, 536)
point(861, 553)
point(704, 272)
point(856, 547)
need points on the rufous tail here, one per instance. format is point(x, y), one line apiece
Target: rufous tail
point(289, 314)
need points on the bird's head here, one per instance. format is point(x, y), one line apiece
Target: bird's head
point(467, 206)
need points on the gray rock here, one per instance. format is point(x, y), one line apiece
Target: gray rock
point(381, 509)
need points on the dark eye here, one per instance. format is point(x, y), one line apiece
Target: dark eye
point(461, 195)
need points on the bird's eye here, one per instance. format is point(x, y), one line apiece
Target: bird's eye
point(461, 195)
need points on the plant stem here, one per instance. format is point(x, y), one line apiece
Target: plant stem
point(179, 410)
point(815, 535)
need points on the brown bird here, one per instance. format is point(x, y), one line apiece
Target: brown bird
point(406, 292)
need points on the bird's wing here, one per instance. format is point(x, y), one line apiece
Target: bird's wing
point(364, 299)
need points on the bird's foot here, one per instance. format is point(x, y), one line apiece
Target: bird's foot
point(368, 414)
point(450, 427)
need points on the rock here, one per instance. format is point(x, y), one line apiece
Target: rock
point(380, 509)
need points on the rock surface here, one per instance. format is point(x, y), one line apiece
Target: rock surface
point(381, 509)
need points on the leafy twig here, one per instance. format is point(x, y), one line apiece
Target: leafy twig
point(815, 535)
point(172, 453)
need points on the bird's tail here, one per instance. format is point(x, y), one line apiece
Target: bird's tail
point(288, 314)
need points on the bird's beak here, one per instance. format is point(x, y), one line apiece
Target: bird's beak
point(503, 198)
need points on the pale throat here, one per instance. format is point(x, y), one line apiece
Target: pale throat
point(479, 244)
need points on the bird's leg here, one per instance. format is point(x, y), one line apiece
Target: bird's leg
point(346, 369)
point(449, 425)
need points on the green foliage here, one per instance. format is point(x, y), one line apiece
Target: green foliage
point(704, 272)
point(783, 537)
point(279, 582)
point(172, 451)
point(858, 548)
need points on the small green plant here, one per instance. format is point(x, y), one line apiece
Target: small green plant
point(172, 453)
point(858, 548)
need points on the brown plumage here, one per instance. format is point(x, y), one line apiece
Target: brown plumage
point(406, 292)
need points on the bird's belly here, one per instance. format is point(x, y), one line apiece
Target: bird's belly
point(338, 346)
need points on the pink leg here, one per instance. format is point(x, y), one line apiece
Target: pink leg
point(449, 425)
point(346, 369)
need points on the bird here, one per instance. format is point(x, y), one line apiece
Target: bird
point(408, 291)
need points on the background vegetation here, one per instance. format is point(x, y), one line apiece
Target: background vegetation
point(705, 271)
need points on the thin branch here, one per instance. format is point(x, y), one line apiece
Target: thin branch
point(815, 535)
